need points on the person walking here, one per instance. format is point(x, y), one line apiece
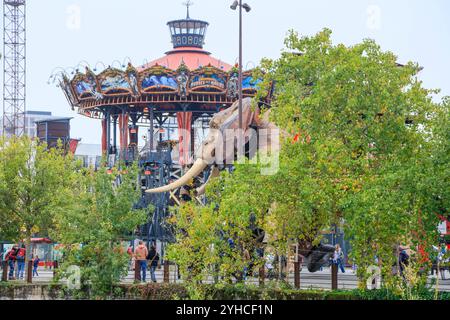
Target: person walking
point(130, 257)
point(20, 257)
point(269, 265)
point(11, 258)
point(153, 257)
point(36, 261)
point(247, 261)
point(403, 260)
point(141, 253)
point(338, 258)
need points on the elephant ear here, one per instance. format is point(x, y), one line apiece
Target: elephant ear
point(226, 150)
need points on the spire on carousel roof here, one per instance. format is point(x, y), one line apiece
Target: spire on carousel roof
point(188, 4)
point(188, 32)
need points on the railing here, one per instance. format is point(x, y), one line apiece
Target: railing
point(294, 275)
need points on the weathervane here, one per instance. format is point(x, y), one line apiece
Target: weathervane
point(188, 3)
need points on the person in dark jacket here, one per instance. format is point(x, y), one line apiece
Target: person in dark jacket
point(11, 258)
point(403, 260)
point(36, 261)
point(153, 258)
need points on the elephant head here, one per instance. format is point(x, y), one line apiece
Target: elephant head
point(224, 141)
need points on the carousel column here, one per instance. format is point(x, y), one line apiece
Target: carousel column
point(192, 150)
point(184, 131)
point(115, 116)
point(133, 131)
point(104, 138)
point(123, 128)
point(161, 129)
point(152, 129)
point(108, 134)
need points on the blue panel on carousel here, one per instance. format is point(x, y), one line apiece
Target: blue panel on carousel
point(249, 83)
point(203, 81)
point(159, 81)
point(84, 87)
point(114, 83)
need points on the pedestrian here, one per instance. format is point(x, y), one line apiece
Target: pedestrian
point(442, 253)
point(269, 265)
point(36, 261)
point(141, 253)
point(20, 257)
point(247, 261)
point(338, 258)
point(11, 258)
point(354, 266)
point(403, 260)
point(153, 257)
point(130, 256)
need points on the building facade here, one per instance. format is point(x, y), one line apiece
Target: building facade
point(89, 154)
point(30, 119)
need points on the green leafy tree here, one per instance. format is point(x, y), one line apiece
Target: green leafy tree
point(93, 230)
point(212, 239)
point(365, 148)
point(368, 123)
point(36, 184)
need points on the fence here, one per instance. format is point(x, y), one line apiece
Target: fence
point(293, 274)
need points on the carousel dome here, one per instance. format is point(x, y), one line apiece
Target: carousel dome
point(187, 39)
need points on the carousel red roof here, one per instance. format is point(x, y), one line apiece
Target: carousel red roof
point(192, 57)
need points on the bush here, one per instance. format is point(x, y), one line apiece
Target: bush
point(211, 292)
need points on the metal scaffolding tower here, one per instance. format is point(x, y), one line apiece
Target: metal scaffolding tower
point(14, 65)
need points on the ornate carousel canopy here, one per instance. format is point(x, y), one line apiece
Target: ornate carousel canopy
point(187, 78)
point(155, 85)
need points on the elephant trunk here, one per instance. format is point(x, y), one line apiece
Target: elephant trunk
point(194, 171)
point(214, 174)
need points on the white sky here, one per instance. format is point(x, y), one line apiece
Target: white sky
point(111, 30)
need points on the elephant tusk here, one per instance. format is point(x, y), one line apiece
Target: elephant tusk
point(194, 171)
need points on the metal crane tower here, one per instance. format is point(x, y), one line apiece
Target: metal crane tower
point(14, 65)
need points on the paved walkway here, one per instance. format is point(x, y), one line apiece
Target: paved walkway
point(318, 280)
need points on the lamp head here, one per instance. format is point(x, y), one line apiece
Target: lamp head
point(246, 7)
point(234, 5)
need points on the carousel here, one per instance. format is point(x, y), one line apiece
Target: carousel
point(170, 100)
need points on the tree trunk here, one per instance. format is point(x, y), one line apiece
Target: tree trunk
point(28, 253)
point(398, 259)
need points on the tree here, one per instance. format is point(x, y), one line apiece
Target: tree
point(36, 183)
point(364, 144)
point(369, 125)
point(211, 239)
point(93, 230)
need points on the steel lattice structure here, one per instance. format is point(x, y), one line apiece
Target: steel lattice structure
point(14, 67)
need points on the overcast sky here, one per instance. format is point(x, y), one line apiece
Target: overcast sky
point(63, 33)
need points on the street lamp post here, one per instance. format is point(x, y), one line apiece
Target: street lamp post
point(247, 8)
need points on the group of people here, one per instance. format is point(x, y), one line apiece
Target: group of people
point(15, 258)
point(145, 258)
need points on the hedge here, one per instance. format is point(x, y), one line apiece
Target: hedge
point(208, 292)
